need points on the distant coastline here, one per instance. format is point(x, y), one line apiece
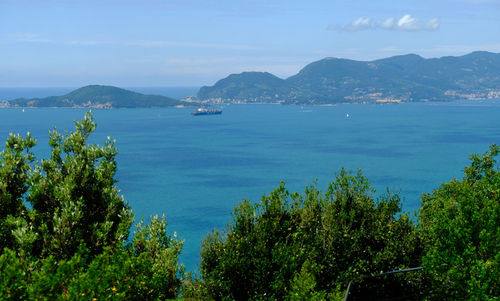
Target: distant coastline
point(397, 79)
point(93, 96)
point(394, 80)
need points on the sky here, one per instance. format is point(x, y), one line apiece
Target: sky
point(132, 43)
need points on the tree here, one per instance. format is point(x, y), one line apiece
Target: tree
point(313, 243)
point(75, 197)
point(15, 166)
point(461, 225)
point(72, 241)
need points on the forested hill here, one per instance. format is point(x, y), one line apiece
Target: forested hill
point(258, 86)
point(96, 96)
point(401, 78)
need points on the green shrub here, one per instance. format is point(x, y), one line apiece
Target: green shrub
point(13, 284)
point(72, 241)
point(313, 243)
point(461, 224)
point(64, 236)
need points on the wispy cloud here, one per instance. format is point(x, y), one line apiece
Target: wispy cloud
point(359, 24)
point(391, 49)
point(163, 43)
point(458, 49)
point(39, 39)
point(405, 23)
point(222, 66)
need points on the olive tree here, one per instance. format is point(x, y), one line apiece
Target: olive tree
point(64, 228)
point(461, 224)
point(308, 246)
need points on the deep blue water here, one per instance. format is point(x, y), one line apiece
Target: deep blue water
point(196, 169)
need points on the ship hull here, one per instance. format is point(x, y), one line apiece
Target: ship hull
point(206, 112)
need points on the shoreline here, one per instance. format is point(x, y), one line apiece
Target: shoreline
point(5, 105)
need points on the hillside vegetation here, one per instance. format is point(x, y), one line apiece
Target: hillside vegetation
point(96, 96)
point(402, 78)
point(64, 235)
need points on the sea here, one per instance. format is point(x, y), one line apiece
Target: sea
point(196, 169)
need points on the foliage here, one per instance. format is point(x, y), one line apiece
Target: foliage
point(257, 86)
point(333, 80)
point(461, 224)
point(15, 163)
point(311, 243)
point(99, 96)
point(13, 285)
point(64, 235)
point(146, 270)
point(162, 251)
point(71, 242)
point(74, 195)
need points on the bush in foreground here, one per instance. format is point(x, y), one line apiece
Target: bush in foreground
point(73, 241)
point(309, 246)
point(461, 224)
point(64, 236)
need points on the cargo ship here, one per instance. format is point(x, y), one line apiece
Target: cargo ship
point(206, 111)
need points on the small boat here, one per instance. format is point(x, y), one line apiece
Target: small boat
point(206, 111)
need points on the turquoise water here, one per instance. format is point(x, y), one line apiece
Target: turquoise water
point(196, 169)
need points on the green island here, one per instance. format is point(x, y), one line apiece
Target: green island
point(98, 96)
point(330, 81)
point(404, 78)
point(65, 235)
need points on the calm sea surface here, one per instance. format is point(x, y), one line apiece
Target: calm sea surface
point(196, 169)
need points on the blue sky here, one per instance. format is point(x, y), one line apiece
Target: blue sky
point(70, 43)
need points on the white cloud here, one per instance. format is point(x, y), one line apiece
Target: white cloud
point(359, 24)
point(356, 25)
point(388, 23)
point(405, 23)
point(433, 24)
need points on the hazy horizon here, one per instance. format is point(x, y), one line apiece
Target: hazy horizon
point(10, 93)
point(131, 87)
point(195, 43)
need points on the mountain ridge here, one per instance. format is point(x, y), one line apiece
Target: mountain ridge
point(99, 96)
point(401, 78)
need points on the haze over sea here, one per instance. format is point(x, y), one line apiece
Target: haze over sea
point(196, 169)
